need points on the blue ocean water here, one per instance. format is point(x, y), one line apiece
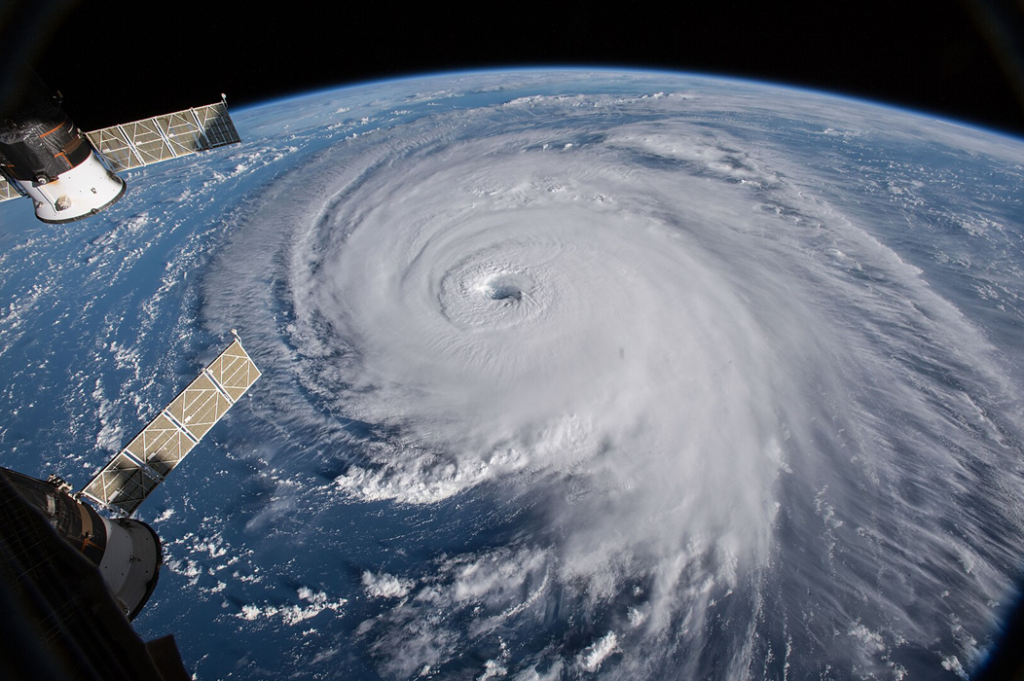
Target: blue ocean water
point(755, 412)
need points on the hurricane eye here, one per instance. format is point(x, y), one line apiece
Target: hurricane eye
point(504, 287)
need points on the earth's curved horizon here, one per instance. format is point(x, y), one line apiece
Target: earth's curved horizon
point(568, 373)
point(569, 68)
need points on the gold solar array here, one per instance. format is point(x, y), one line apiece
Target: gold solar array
point(151, 140)
point(156, 139)
point(127, 480)
point(7, 189)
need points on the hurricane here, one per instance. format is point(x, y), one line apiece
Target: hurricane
point(678, 379)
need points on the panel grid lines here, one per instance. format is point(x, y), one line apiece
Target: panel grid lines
point(152, 140)
point(130, 476)
point(7, 190)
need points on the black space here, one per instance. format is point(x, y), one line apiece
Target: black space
point(116, 61)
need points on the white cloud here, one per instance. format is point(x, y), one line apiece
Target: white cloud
point(597, 653)
point(386, 586)
point(292, 614)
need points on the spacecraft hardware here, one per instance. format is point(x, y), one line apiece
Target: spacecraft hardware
point(70, 175)
point(127, 551)
point(59, 589)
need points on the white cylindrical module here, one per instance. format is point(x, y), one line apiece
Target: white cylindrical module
point(77, 193)
point(126, 552)
point(130, 563)
point(44, 153)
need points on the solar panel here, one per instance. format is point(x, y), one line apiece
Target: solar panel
point(151, 140)
point(216, 124)
point(125, 482)
point(161, 445)
point(156, 139)
point(7, 189)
